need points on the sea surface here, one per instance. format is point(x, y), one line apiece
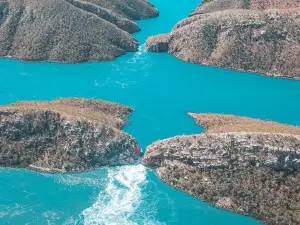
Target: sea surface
point(161, 89)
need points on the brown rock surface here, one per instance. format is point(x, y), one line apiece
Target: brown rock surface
point(158, 43)
point(237, 164)
point(219, 5)
point(219, 123)
point(227, 34)
point(70, 30)
point(66, 135)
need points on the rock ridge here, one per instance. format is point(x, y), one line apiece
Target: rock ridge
point(70, 31)
point(255, 36)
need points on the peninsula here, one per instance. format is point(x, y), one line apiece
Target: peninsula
point(65, 135)
point(244, 165)
point(246, 35)
point(70, 30)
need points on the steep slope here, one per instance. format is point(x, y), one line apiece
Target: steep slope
point(67, 135)
point(70, 30)
point(256, 36)
point(240, 164)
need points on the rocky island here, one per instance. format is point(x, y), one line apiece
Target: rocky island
point(246, 35)
point(65, 135)
point(240, 164)
point(70, 30)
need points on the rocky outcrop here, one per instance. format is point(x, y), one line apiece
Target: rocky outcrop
point(66, 135)
point(239, 164)
point(70, 30)
point(257, 36)
point(158, 43)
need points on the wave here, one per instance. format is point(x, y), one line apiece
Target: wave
point(140, 57)
point(118, 203)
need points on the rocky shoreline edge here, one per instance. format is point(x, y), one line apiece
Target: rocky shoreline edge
point(65, 135)
point(251, 36)
point(70, 31)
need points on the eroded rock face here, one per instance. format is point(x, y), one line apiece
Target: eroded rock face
point(254, 173)
point(70, 30)
point(158, 43)
point(256, 36)
point(67, 135)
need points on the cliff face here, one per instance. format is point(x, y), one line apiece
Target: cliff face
point(257, 36)
point(68, 135)
point(70, 30)
point(252, 172)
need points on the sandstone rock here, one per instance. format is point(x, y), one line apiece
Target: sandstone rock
point(227, 34)
point(70, 30)
point(67, 135)
point(158, 43)
point(254, 172)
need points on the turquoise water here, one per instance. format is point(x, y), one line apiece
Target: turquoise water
point(161, 89)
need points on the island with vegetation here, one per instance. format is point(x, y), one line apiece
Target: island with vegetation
point(65, 135)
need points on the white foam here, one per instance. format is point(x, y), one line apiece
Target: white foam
point(119, 201)
point(142, 50)
point(140, 55)
point(91, 179)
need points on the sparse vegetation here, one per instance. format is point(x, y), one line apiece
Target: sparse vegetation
point(70, 31)
point(65, 135)
point(244, 165)
point(98, 111)
point(246, 35)
point(218, 123)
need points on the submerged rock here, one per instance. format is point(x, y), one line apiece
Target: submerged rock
point(66, 135)
point(70, 30)
point(257, 36)
point(239, 164)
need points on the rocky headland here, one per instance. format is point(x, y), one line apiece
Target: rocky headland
point(65, 135)
point(70, 30)
point(240, 164)
point(246, 35)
